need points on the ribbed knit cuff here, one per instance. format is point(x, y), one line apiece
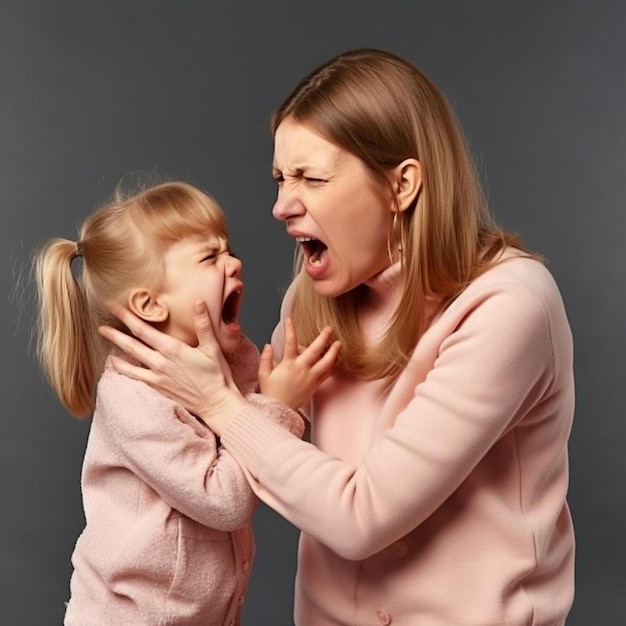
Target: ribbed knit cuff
point(250, 436)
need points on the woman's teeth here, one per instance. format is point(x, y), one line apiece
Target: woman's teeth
point(314, 249)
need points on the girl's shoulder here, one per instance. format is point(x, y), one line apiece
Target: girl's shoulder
point(133, 408)
point(117, 391)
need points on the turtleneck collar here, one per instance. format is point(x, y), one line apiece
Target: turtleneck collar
point(384, 292)
point(388, 278)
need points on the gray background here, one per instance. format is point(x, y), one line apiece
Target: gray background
point(91, 91)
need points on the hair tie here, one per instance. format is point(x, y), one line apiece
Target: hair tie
point(79, 249)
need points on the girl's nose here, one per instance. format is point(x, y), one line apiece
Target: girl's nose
point(233, 265)
point(287, 206)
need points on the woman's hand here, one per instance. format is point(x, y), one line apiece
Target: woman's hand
point(302, 370)
point(198, 378)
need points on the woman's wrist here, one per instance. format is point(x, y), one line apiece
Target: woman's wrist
point(219, 411)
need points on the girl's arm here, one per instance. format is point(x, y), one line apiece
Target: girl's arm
point(177, 456)
point(173, 453)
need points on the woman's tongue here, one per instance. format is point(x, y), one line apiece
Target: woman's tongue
point(316, 256)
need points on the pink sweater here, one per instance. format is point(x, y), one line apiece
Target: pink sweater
point(443, 502)
point(168, 539)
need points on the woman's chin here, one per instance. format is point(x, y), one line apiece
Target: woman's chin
point(333, 287)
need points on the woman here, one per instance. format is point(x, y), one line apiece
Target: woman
point(434, 487)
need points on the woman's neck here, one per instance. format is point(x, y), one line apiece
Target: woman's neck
point(383, 294)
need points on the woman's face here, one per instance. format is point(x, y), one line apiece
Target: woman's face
point(331, 204)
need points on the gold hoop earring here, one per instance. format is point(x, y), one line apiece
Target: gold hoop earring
point(396, 225)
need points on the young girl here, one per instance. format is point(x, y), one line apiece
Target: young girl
point(168, 536)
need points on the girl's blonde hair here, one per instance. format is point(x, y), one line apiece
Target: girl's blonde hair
point(122, 246)
point(384, 110)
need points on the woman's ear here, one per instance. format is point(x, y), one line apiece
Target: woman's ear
point(147, 306)
point(406, 179)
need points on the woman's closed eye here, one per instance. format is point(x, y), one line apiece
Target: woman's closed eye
point(279, 178)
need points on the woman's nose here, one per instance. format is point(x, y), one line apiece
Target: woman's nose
point(287, 206)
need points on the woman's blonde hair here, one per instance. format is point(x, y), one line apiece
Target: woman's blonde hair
point(121, 245)
point(384, 110)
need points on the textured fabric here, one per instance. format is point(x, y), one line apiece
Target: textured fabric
point(443, 500)
point(168, 539)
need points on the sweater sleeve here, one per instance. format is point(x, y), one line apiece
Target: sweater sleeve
point(244, 366)
point(492, 366)
point(173, 453)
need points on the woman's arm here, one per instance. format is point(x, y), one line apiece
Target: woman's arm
point(200, 378)
point(489, 369)
point(494, 366)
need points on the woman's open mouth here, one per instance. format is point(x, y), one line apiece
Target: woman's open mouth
point(316, 255)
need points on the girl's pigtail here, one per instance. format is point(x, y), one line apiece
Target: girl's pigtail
point(65, 345)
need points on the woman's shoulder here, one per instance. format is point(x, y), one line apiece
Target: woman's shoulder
point(516, 291)
point(515, 270)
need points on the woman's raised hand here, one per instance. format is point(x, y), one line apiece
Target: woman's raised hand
point(296, 378)
point(197, 378)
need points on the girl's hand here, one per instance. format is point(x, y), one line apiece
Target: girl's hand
point(296, 378)
point(197, 378)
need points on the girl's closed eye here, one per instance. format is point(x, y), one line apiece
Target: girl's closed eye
point(213, 255)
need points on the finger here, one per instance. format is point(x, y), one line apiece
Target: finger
point(324, 365)
point(266, 361)
point(201, 319)
point(317, 347)
point(203, 326)
point(130, 346)
point(207, 341)
point(142, 330)
point(291, 341)
point(122, 366)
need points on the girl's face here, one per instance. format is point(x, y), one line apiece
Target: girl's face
point(332, 206)
point(201, 267)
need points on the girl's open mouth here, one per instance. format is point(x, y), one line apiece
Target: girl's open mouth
point(230, 309)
